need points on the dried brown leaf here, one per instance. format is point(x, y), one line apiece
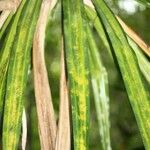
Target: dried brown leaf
point(45, 111)
point(63, 136)
point(137, 39)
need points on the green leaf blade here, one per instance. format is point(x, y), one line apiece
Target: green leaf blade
point(5, 55)
point(143, 62)
point(76, 53)
point(130, 71)
point(99, 80)
point(17, 76)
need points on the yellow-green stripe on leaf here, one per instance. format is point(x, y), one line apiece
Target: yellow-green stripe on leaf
point(17, 75)
point(5, 55)
point(99, 81)
point(77, 66)
point(128, 63)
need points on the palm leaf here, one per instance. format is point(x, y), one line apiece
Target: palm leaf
point(63, 133)
point(94, 20)
point(137, 44)
point(77, 61)
point(45, 111)
point(17, 75)
point(5, 54)
point(99, 81)
point(143, 62)
point(129, 68)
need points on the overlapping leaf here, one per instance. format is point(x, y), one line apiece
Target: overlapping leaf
point(99, 81)
point(143, 62)
point(129, 68)
point(45, 110)
point(5, 54)
point(77, 65)
point(17, 74)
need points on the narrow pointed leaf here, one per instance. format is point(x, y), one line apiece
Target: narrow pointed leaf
point(63, 132)
point(129, 68)
point(99, 81)
point(94, 20)
point(5, 55)
point(77, 66)
point(143, 62)
point(17, 75)
point(137, 44)
point(45, 110)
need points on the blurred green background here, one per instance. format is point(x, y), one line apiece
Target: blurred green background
point(124, 131)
